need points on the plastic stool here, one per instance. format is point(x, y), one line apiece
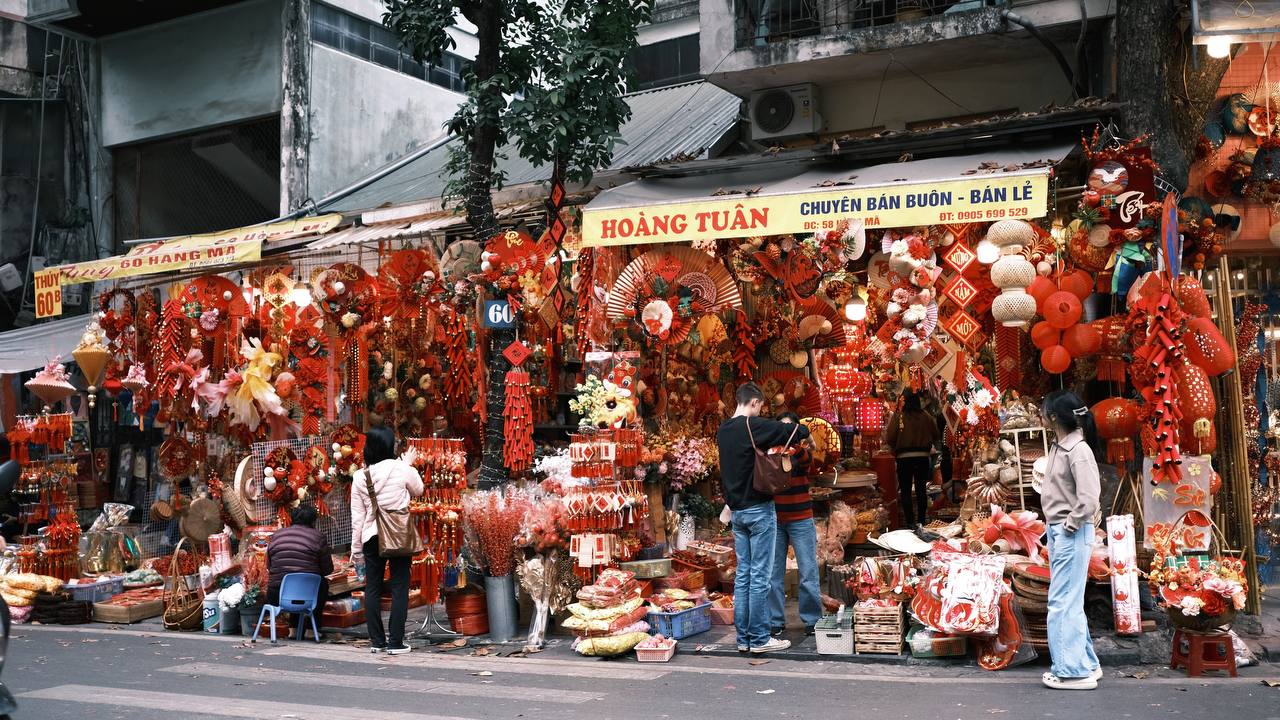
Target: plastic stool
point(1202, 652)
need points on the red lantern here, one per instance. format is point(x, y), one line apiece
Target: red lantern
point(1191, 297)
point(1081, 340)
point(1055, 359)
point(1199, 407)
point(1117, 420)
point(1040, 289)
point(1207, 348)
point(1062, 309)
point(1078, 283)
point(870, 416)
point(1044, 335)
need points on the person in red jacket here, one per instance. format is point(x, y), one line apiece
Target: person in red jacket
point(299, 548)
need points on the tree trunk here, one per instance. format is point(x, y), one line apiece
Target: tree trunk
point(484, 224)
point(1167, 84)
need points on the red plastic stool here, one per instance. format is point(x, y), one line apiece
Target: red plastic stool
point(1202, 652)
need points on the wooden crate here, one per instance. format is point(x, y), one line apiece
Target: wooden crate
point(877, 630)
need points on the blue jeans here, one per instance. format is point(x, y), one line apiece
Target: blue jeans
point(1070, 646)
point(803, 536)
point(754, 531)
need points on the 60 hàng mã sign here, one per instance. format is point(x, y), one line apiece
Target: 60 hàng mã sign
point(987, 198)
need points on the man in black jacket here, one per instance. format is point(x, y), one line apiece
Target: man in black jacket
point(755, 524)
point(299, 548)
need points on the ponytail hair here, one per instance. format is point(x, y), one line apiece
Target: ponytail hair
point(1068, 410)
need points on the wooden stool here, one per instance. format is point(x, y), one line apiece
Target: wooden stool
point(1200, 652)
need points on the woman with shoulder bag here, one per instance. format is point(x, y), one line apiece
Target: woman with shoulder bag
point(380, 493)
point(912, 434)
point(1069, 495)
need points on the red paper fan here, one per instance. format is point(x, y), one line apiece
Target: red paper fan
point(211, 292)
point(402, 279)
point(633, 282)
point(816, 307)
point(791, 383)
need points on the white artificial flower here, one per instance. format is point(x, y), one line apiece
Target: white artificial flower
point(914, 315)
point(899, 247)
point(972, 418)
point(1190, 605)
point(983, 398)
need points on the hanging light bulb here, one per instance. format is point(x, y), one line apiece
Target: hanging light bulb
point(1218, 47)
point(301, 296)
point(988, 252)
point(856, 309)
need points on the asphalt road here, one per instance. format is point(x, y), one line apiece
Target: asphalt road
point(102, 672)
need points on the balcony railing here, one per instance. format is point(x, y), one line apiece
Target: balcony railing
point(760, 22)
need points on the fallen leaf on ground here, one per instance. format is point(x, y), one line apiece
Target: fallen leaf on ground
point(483, 673)
point(1140, 675)
point(529, 649)
point(764, 692)
point(758, 662)
point(480, 652)
point(1271, 683)
point(461, 642)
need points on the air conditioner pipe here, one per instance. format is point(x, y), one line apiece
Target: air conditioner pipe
point(1077, 88)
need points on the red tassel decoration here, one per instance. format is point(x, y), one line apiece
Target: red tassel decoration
point(1009, 354)
point(586, 296)
point(744, 352)
point(517, 451)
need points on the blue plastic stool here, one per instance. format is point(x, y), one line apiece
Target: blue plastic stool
point(298, 596)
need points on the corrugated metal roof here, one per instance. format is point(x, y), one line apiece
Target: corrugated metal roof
point(682, 120)
point(377, 232)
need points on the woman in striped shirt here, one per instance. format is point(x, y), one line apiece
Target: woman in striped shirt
point(796, 529)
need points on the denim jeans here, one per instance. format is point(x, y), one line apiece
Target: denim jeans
point(754, 531)
point(803, 536)
point(1070, 646)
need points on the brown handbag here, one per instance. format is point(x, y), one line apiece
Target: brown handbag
point(772, 473)
point(397, 535)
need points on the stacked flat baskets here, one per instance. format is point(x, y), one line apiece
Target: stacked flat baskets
point(1031, 586)
point(877, 630)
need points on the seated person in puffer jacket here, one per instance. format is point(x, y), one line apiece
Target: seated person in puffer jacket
point(299, 548)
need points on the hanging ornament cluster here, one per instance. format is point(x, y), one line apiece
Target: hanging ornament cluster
point(348, 450)
point(459, 381)
point(665, 292)
point(348, 298)
point(1061, 337)
point(912, 311)
point(1012, 273)
point(1159, 351)
point(442, 462)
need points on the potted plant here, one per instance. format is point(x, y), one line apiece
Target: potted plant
point(229, 606)
point(493, 520)
point(254, 565)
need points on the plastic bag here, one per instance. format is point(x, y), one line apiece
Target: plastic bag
point(113, 516)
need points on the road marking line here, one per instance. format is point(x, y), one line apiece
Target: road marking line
point(465, 689)
point(525, 666)
point(221, 706)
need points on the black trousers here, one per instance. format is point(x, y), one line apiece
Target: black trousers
point(374, 567)
point(914, 472)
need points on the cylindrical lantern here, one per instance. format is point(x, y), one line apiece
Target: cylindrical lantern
point(870, 416)
point(1117, 420)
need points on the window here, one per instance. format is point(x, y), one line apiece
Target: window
point(374, 43)
point(669, 62)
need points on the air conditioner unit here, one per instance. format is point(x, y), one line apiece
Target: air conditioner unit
point(785, 111)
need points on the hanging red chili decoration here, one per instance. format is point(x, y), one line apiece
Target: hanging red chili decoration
point(585, 287)
point(459, 380)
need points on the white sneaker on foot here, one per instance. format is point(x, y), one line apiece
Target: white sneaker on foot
point(1084, 683)
point(774, 645)
point(1097, 674)
point(402, 650)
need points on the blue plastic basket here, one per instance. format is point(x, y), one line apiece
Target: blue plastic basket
point(680, 625)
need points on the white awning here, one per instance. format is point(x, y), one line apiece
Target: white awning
point(1006, 183)
point(31, 348)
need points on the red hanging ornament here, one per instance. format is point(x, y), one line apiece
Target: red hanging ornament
point(744, 351)
point(517, 415)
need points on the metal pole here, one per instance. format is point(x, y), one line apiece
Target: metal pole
point(1235, 456)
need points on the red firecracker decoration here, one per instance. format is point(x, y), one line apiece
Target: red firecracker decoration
point(458, 382)
point(168, 352)
point(586, 297)
point(1160, 351)
point(517, 450)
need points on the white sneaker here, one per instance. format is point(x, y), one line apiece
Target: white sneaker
point(1097, 674)
point(402, 650)
point(1053, 681)
point(774, 645)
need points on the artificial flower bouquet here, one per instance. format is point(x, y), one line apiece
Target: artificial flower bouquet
point(1201, 592)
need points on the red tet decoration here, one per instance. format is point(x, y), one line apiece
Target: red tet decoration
point(959, 257)
point(870, 416)
point(960, 291)
point(1117, 420)
point(962, 327)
